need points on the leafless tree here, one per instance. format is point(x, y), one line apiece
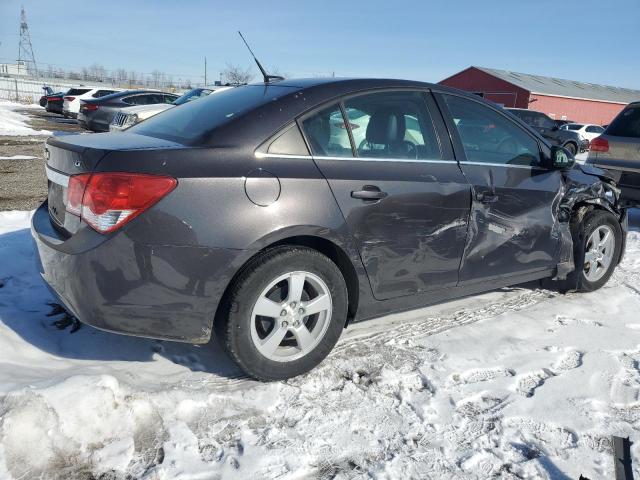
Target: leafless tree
point(235, 74)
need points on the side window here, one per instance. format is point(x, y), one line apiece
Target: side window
point(488, 137)
point(327, 133)
point(394, 125)
point(170, 98)
point(289, 143)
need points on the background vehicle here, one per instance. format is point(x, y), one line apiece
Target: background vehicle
point(262, 211)
point(54, 102)
point(71, 105)
point(131, 115)
point(560, 123)
point(548, 128)
point(588, 131)
point(97, 114)
point(47, 91)
point(618, 151)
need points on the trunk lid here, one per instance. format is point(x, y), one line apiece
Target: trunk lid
point(74, 154)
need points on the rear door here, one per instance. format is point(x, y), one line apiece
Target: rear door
point(513, 216)
point(398, 186)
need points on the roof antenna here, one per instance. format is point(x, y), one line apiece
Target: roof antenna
point(265, 75)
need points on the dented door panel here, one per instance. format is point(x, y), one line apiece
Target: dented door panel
point(517, 231)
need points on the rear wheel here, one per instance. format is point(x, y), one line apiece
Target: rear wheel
point(286, 312)
point(572, 147)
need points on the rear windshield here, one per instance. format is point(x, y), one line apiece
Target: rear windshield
point(189, 122)
point(574, 126)
point(626, 124)
point(77, 91)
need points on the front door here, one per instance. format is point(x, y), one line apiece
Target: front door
point(513, 227)
point(402, 194)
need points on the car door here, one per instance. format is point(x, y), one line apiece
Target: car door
point(403, 196)
point(512, 229)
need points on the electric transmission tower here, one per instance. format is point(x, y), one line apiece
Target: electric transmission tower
point(25, 51)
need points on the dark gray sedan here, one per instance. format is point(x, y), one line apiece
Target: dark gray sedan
point(97, 114)
point(272, 215)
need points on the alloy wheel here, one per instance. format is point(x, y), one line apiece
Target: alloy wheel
point(599, 252)
point(291, 316)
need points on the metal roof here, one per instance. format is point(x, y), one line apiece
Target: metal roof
point(565, 88)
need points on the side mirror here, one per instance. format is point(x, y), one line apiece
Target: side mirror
point(561, 158)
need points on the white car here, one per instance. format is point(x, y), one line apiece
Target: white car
point(585, 130)
point(71, 99)
point(126, 117)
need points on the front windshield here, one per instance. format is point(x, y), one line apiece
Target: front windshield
point(192, 95)
point(191, 121)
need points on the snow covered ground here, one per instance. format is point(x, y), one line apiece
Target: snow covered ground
point(15, 123)
point(517, 383)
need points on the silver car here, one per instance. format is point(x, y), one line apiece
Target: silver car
point(618, 151)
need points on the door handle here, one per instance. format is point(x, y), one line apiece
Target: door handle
point(369, 192)
point(487, 197)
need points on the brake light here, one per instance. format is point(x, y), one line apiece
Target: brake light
point(52, 99)
point(599, 144)
point(69, 99)
point(89, 107)
point(110, 200)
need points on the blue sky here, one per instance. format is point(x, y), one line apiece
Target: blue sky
point(593, 41)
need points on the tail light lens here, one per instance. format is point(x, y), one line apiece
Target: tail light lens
point(89, 107)
point(599, 144)
point(107, 201)
point(69, 99)
point(52, 99)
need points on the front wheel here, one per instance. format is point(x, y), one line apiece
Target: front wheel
point(286, 312)
point(597, 247)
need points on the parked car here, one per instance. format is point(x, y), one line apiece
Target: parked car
point(560, 123)
point(254, 213)
point(618, 151)
point(96, 115)
point(125, 117)
point(547, 127)
point(47, 91)
point(54, 102)
point(585, 130)
point(71, 105)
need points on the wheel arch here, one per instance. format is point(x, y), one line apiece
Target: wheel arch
point(342, 255)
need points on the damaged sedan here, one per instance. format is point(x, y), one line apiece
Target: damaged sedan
point(271, 215)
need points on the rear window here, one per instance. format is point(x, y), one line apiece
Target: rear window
point(574, 126)
point(77, 91)
point(626, 124)
point(189, 122)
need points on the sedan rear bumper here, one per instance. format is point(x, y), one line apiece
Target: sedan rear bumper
point(116, 284)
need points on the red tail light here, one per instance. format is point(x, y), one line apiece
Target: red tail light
point(88, 107)
point(53, 99)
point(599, 144)
point(107, 201)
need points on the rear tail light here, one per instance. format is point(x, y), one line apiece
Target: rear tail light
point(107, 201)
point(52, 99)
point(69, 99)
point(88, 107)
point(599, 144)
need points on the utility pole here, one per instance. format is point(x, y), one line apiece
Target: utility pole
point(205, 71)
point(25, 49)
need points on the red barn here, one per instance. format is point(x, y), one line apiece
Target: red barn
point(558, 98)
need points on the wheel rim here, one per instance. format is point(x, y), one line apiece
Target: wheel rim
point(599, 253)
point(291, 316)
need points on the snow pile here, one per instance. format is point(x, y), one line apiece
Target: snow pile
point(14, 123)
point(18, 157)
point(517, 383)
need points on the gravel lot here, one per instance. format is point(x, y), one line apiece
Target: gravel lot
point(24, 184)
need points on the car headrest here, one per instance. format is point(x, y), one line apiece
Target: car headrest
point(386, 126)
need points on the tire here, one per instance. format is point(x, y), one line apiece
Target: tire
point(245, 333)
point(572, 147)
point(583, 233)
